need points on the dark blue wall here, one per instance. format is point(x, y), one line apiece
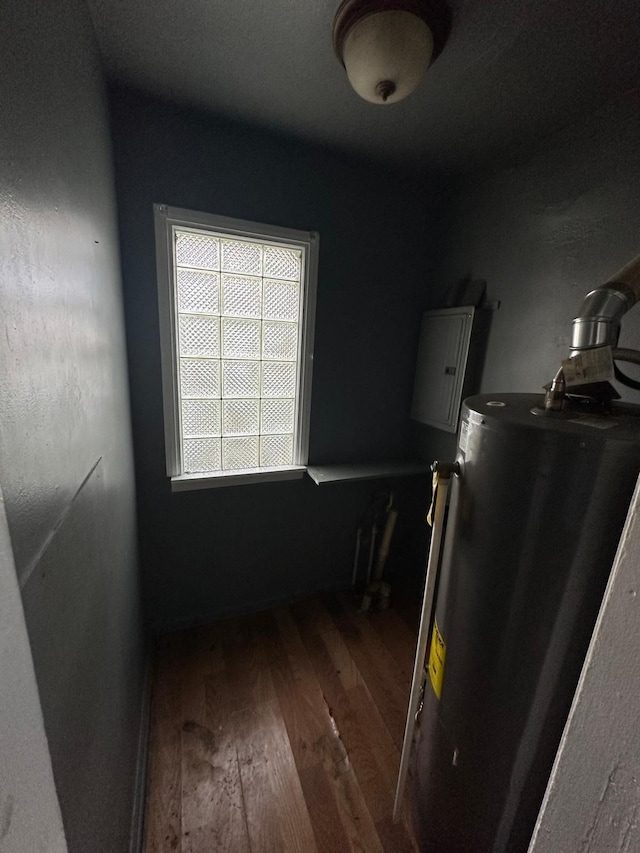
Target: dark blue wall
point(234, 548)
point(66, 461)
point(543, 230)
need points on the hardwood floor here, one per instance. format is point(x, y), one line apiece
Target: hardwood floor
point(281, 732)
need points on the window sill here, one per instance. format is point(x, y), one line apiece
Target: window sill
point(189, 482)
point(323, 474)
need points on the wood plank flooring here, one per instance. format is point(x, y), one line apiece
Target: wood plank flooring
point(281, 732)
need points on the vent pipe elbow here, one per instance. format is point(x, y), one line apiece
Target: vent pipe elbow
point(598, 323)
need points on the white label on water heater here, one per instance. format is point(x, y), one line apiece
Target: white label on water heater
point(590, 365)
point(464, 436)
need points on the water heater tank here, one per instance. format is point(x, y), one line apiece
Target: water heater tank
point(535, 519)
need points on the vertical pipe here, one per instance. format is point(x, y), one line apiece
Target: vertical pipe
point(383, 551)
point(356, 557)
point(372, 548)
point(423, 636)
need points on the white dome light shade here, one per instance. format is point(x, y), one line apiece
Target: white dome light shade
point(386, 54)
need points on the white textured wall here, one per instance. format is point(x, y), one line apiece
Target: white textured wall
point(66, 465)
point(592, 804)
point(30, 820)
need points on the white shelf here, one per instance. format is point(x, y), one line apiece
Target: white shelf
point(322, 474)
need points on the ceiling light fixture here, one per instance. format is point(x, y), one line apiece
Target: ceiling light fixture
point(386, 46)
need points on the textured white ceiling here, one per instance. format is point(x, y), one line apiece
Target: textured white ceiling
point(512, 71)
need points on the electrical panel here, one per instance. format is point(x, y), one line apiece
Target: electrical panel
point(442, 360)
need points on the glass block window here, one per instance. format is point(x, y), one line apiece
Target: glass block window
point(237, 324)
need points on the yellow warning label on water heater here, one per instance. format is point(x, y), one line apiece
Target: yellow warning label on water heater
point(437, 654)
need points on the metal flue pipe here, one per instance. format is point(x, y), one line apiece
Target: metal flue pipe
point(598, 323)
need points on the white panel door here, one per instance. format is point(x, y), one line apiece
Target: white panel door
point(442, 359)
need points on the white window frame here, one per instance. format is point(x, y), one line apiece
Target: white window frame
point(167, 220)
